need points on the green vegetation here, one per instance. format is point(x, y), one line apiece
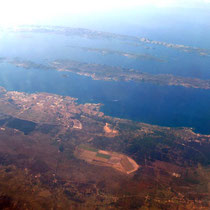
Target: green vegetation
point(61, 148)
point(150, 147)
point(88, 148)
point(103, 155)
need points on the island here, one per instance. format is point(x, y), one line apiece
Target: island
point(92, 34)
point(112, 73)
point(120, 53)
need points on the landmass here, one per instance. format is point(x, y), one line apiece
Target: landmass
point(189, 49)
point(92, 34)
point(56, 153)
point(111, 73)
point(120, 53)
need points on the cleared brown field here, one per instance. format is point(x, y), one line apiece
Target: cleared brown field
point(115, 160)
point(127, 164)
